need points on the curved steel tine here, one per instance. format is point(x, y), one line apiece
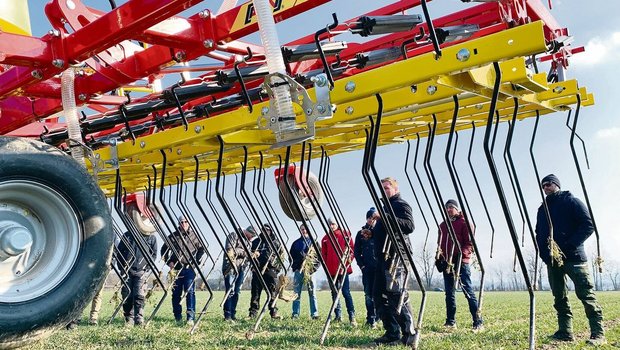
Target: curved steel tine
point(473, 173)
point(440, 203)
point(428, 229)
point(599, 259)
point(583, 143)
point(512, 169)
point(417, 174)
point(504, 203)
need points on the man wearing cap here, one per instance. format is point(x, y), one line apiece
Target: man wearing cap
point(270, 253)
point(367, 261)
point(447, 250)
point(571, 225)
point(388, 289)
point(186, 252)
point(234, 267)
point(305, 264)
point(340, 274)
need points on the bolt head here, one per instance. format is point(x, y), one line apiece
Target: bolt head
point(264, 111)
point(320, 108)
point(431, 89)
point(349, 110)
point(180, 56)
point(463, 55)
point(204, 14)
point(319, 80)
point(208, 43)
point(309, 111)
point(37, 74)
point(179, 151)
point(54, 32)
point(58, 63)
point(142, 144)
point(197, 129)
point(82, 97)
point(350, 87)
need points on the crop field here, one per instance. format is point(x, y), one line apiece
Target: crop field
point(505, 315)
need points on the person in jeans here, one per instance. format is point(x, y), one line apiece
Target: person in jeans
point(572, 225)
point(190, 250)
point(338, 274)
point(447, 251)
point(235, 256)
point(367, 261)
point(305, 264)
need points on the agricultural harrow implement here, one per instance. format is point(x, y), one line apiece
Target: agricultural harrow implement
point(98, 125)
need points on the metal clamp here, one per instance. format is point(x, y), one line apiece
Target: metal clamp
point(314, 111)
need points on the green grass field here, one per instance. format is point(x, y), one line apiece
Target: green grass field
point(505, 315)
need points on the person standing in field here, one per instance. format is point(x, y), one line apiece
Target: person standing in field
point(388, 288)
point(446, 251)
point(339, 274)
point(305, 264)
point(564, 254)
point(186, 243)
point(235, 259)
point(367, 262)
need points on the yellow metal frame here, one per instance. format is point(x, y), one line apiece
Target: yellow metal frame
point(412, 90)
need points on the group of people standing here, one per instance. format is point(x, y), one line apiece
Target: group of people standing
point(560, 243)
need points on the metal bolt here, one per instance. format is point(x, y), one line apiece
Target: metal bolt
point(197, 129)
point(478, 106)
point(138, 161)
point(264, 111)
point(309, 111)
point(463, 55)
point(142, 144)
point(319, 80)
point(37, 74)
point(431, 89)
point(204, 14)
point(179, 151)
point(58, 63)
point(558, 89)
point(350, 87)
point(97, 156)
point(70, 5)
point(349, 110)
point(414, 88)
point(273, 120)
point(54, 32)
point(180, 56)
point(208, 43)
point(82, 97)
point(320, 108)
point(510, 42)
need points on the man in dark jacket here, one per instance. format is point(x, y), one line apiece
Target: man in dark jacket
point(367, 261)
point(572, 225)
point(448, 250)
point(235, 255)
point(387, 294)
point(190, 251)
point(305, 264)
point(133, 265)
point(269, 265)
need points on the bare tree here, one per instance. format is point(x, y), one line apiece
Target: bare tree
point(534, 270)
point(614, 275)
point(425, 261)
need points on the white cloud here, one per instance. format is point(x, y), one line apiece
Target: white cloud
point(599, 50)
point(609, 133)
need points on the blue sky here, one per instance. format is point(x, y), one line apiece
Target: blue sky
point(596, 28)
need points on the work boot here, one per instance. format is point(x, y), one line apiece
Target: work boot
point(597, 340)
point(407, 339)
point(385, 340)
point(563, 336)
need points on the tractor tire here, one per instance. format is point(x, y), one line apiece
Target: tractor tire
point(55, 240)
point(287, 201)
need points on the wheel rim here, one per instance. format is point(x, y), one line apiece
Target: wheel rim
point(40, 239)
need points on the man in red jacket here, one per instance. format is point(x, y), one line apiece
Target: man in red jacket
point(339, 274)
point(447, 250)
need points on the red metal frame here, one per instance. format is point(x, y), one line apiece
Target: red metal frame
point(31, 88)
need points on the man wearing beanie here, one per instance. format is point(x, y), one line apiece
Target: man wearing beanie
point(367, 261)
point(571, 225)
point(447, 250)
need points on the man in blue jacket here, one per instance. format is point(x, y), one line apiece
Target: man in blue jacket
point(305, 264)
point(367, 261)
point(571, 225)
